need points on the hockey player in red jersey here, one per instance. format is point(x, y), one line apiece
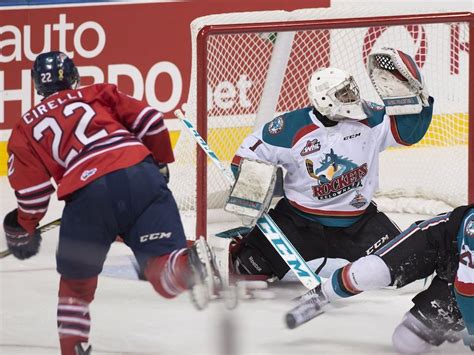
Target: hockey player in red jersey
point(108, 154)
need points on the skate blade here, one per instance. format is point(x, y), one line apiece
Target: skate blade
point(199, 296)
point(205, 257)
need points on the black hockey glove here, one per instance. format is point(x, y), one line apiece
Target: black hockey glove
point(165, 171)
point(22, 244)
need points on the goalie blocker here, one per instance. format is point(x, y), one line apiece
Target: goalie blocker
point(398, 81)
point(252, 192)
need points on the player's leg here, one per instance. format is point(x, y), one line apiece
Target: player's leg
point(433, 319)
point(415, 254)
point(406, 258)
point(87, 230)
point(157, 238)
point(371, 232)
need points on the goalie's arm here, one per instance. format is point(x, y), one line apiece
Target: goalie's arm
point(400, 84)
point(255, 148)
point(270, 143)
point(410, 129)
point(254, 167)
point(398, 130)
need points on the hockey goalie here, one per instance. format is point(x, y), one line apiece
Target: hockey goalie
point(329, 151)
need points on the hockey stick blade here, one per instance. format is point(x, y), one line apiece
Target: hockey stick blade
point(42, 229)
point(303, 313)
point(265, 223)
point(5, 253)
point(51, 225)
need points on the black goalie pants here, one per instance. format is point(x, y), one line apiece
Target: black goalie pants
point(313, 240)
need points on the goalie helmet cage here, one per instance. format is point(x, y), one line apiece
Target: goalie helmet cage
point(247, 71)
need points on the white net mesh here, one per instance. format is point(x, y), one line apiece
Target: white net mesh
point(242, 69)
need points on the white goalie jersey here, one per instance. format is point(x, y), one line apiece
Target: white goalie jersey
point(331, 171)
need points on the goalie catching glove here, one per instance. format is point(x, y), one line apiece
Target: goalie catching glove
point(398, 81)
point(252, 192)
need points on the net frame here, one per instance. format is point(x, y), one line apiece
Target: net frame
point(315, 24)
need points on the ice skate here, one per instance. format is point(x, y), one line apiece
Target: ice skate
point(206, 281)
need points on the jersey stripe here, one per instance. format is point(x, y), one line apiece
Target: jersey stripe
point(153, 120)
point(102, 144)
point(156, 131)
point(340, 285)
point(29, 190)
point(325, 213)
point(302, 132)
point(73, 317)
point(463, 288)
point(140, 116)
point(395, 133)
point(410, 231)
point(98, 153)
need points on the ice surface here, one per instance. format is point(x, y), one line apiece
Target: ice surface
point(129, 318)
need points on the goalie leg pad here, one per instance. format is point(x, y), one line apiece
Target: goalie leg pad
point(249, 261)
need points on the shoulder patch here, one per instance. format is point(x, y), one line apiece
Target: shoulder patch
point(276, 125)
point(282, 129)
point(310, 147)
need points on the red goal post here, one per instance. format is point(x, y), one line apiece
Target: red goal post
point(234, 74)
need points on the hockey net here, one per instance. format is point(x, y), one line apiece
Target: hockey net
point(250, 67)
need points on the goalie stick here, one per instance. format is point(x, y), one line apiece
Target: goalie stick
point(310, 307)
point(42, 229)
point(265, 223)
point(302, 313)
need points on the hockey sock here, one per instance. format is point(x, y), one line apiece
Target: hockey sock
point(169, 274)
point(73, 312)
point(367, 273)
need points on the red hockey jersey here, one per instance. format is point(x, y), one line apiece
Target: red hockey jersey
point(75, 137)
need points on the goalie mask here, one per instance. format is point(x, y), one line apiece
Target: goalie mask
point(335, 94)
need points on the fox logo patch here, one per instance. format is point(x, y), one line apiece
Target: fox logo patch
point(276, 125)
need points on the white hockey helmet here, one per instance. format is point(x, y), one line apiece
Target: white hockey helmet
point(335, 94)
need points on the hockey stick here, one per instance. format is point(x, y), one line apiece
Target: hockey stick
point(42, 229)
point(302, 313)
point(265, 223)
point(310, 307)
